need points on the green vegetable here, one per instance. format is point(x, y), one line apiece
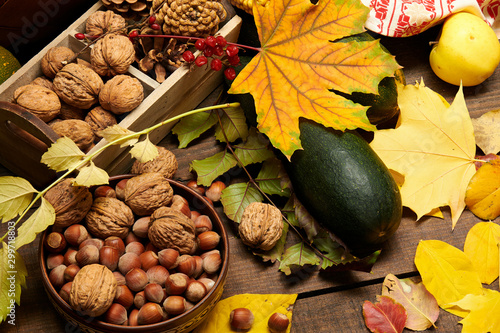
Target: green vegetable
point(346, 187)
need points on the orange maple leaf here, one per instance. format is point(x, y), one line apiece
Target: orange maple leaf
point(298, 65)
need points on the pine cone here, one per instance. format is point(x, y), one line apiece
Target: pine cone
point(192, 18)
point(129, 9)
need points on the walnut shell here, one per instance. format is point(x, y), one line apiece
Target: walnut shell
point(165, 163)
point(109, 217)
point(121, 94)
point(93, 290)
point(170, 228)
point(78, 85)
point(146, 192)
point(38, 100)
point(112, 55)
point(44, 82)
point(71, 203)
point(55, 59)
point(71, 112)
point(77, 130)
point(99, 119)
point(261, 226)
point(101, 22)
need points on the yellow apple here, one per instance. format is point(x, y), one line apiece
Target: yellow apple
point(468, 50)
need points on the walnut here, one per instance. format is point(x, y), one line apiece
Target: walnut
point(93, 290)
point(101, 22)
point(77, 130)
point(71, 203)
point(109, 217)
point(71, 112)
point(99, 119)
point(165, 163)
point(112, 55)
point(40, 101)
point(261, 226)
point(78, 85)
point(43, 81)
point(147, 192)
point(121, 94)
point(170, 228)
point(55, 59)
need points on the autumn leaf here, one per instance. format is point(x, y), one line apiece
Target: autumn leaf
point(233, 125)
point(212, 167)
point(420, 305)
point(305, 220)
point(298, 65)
point(236, 197)
point(297, 255)
point(121, 135)
point(487, 132)
point(254, 149)
point(433, 148)
point(41, 218)
point(481, 246)
point(191, 127)
point(144, 151)
point(385, 316)
point(261, 305)
point(446, 272)
point(333, 253)
point(62, 155)
point(15, 196)
point(13, 274)
point(483, 193)
point(91, 175)
point(269, 178)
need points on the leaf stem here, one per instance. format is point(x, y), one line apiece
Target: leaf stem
point(258, 49)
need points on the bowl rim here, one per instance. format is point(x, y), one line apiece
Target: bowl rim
point(96, 323)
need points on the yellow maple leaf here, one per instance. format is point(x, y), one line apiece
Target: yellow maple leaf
point(298, 65)
point(487, 131)
point(483, 193)
point(433, 148)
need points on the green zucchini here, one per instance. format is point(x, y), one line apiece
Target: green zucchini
point(346, 187)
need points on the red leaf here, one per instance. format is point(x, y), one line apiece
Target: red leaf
point(385, 316)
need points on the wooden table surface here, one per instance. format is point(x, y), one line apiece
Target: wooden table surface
point(327, 301)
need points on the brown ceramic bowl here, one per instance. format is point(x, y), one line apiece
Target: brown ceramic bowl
point(185, 322)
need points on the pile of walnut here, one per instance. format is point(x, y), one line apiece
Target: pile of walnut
point(139, 247)
point(79, 98)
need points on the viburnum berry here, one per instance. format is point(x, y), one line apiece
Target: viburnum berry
point(133, 34)
point(234, 60)
point(221, 41)
point(80, 36)
point(201, 60)
point(230, 73)
point(232, 50)
point(188, 56)
point(155, 26)
point(208, 51)
point(200, 44)
point(151, 20)
point(216, 64)
point(218, 51)
point(211, 41)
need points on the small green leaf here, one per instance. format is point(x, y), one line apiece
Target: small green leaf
point(277, 251)
point(91, 175)
point(191, 127)
point(254, 149)
point(43, 217)
point(269, 178)
point(62, 155)
point(334, 253)
point(144, 151)
point(116, 132)
point(15, 197)
point(296, 256)
point(234, 125)
point(212, 167)
point(289, 211)
point(236, 197)
point(13, 273)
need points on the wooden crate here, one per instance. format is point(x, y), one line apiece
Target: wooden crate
point(182, 91)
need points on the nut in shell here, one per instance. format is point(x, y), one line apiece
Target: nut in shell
point(146, 192)
point(56, 58)
point(165, 163)
point(71, 203)
point(101, 22)
point(40, 101)
point(261, 226)
point(78, 85)
point(112, 55)
point(170, 228)
point(100, 119)
point(109, 217)
point(121, 94)
point(93, 290)
point(77, 130)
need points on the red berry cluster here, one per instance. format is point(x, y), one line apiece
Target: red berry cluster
point(218, 50)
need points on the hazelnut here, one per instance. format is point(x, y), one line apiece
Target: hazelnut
point(209, 283)
point(278, 322)
point(208, 240)
point(116, 314)
point(203, 223)
point(241, 319)
point(186, 264)
point(193, 184)
point(214, 192)
point(65, 290)
point(195, 291)
point(132, 317)
point(139, 299)
point(109, 256)
point(150, 313)
point(154, 293)
point(182, 206)
point(199, 266)
point(70, 272)
point(116, 242)
point(104, 191)
point(120, 189)
point(70, 256)
point(120, 278)
point(128, 261)
point(137, 279)
point(55, 242)
point(212, 263)
point(89, 254)
point(97, 242)
point(158, 274)
point(176, 284)
point(124, 296)
point(135, 247)
point(56, 276)
point(148, 259)
point(141, 226)
point(174, 305)
point(150, 247)
point(75, 234)
point(53, 260)
point(131, 237)
point(168, 258)
point(194, 214)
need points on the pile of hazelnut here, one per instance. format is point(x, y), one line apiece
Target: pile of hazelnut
point(139, 255)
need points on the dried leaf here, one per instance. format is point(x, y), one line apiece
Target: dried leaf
point(298, 64)
point(385, 316)
point(117, 132)
point(191, 127)
point(487, 132)
point(212, 167)
point(421, 307)
point(334, 254)
point(41, 218)
point(144, 151)
point(269, 178)
point(481, 246)
point(433, 147)
point(261, 305)
point(305, 220)
point(91, 175)
point(13, 272)
point(236, 197)
point(62, 155)
point(483, 193)
point(15, 196)
point(296, 256)
point(234, 125)
point(446, 272)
